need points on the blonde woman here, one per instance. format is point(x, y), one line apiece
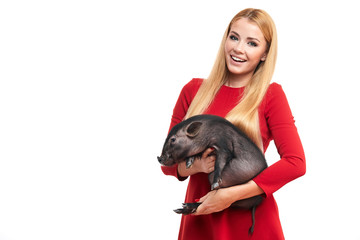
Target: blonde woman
point(238, 88)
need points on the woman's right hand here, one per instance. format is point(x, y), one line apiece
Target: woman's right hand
point(204, 164)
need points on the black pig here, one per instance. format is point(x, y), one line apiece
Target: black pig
point(238, 159)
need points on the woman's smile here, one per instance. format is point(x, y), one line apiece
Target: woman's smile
point(237, 59)
point(245, 47)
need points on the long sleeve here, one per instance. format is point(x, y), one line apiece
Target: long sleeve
point(281, 125)
point(186, 96)
point(276, 123)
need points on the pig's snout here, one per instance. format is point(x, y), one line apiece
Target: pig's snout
point(160, 159)
point(165, 160)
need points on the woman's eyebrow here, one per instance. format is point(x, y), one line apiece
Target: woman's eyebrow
point(252, 38)
point(249, 38)
point(235, 33)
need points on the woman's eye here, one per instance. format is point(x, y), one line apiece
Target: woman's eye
point(232, 37)
point(253, 44)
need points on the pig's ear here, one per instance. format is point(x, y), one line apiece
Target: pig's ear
point(193, 129)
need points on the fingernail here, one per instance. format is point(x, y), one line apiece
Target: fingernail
point(197, 200)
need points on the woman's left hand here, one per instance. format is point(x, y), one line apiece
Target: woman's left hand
point(218, 200)
point(214, 201)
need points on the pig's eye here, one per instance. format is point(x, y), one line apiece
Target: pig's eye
point(172, 140)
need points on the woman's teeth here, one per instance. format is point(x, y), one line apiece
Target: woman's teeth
point(237, 59)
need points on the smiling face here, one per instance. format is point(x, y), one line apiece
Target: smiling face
point(245, 47)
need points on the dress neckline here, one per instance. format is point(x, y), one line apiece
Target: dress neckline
point(232, 88)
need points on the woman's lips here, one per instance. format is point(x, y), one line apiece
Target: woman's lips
point(237, 59)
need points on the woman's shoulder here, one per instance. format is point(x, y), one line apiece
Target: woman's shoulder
point(192, 87)
point(194, 83)
point(275, 98)
point(274, 88)
point(274, 91)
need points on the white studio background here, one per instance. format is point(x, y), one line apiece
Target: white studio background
point(87, 90)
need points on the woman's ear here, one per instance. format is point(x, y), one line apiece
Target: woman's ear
point(263, 57)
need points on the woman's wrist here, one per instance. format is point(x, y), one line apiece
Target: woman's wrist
point(243, 191)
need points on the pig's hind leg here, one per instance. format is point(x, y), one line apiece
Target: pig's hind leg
point(187, 208)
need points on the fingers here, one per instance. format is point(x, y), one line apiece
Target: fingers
point(205, 163)
point(204, 198)
point(208, 157)
point(207, 204)
point(211, 169)
point(210, 165)
point(201, 209)
point(207, 152)
point(209, 160)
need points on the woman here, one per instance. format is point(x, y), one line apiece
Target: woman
point(239, 89)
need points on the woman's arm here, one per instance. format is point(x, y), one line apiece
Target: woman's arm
point(185, 98)
point(218, 200)
point(291, 165)
point(281, 124)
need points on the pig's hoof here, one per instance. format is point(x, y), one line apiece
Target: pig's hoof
point(188, 208)
point(215, 186)
point(184, 211)
point(190, 161)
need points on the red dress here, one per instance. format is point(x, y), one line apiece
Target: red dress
point(276, 123)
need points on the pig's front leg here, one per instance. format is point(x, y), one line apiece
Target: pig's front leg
point(189, 161)
point(222, 158)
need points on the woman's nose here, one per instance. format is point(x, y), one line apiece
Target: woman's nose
point(240, 47)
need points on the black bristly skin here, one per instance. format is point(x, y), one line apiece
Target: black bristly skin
point(238, 159)
point(187, 208)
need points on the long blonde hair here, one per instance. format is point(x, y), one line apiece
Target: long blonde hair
point(245, 114)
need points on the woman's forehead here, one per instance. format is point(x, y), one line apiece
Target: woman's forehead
point(246, 28)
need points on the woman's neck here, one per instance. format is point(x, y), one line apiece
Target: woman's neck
point(236, 81)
